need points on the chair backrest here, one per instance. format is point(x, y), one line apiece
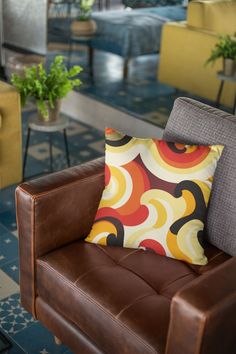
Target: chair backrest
point(194, 122)
point(213, 15)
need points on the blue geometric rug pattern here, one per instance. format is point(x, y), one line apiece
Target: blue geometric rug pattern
point(26, 334)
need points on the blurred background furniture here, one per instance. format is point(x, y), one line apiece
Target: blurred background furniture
point(24, 26)
point(185, 47)
point(10, 136)
point(128, 34)
point(133, 33)
point(99, 299)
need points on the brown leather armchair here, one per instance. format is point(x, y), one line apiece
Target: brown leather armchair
point(112, 300)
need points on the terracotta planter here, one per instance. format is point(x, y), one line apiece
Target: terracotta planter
point(229, 67)
point(53, 113)
point(83, 28)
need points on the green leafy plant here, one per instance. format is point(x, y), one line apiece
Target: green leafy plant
point(46, 87)
point(85, 9)
point(225, 48)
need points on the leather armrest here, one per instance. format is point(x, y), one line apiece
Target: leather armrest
point(203, 314)
point(53, 211)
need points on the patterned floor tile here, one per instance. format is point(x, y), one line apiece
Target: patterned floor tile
point(8, 287)
point(41, 340)
point(75, 128)
point(12, 269)
point(7, 199)
point(3, 230)
point(41, 151)
point(98, 146)
point(36, 167)
point(14, 318)
point(88, 137)
point(8, 248)
point(8, 219)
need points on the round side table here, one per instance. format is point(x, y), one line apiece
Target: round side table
point(223, 78)
point(36, 124)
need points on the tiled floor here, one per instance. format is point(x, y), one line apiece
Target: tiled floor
point(27, 335)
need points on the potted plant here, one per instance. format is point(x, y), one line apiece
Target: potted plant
point(47, 88)
point(225, 48)
point(84, 25)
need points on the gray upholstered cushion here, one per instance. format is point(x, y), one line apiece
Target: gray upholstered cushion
point(193, 122)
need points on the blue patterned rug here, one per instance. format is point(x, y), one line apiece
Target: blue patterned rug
point(25, 334)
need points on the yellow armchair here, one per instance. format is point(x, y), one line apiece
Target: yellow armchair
point(185, 47)
point(10, 136)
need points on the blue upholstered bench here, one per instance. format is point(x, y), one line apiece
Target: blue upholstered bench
point(133, 33)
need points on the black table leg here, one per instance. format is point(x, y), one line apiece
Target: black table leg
point(69, 53)
point(234, 109)
point(66, 147)
point(126, 69)
point(50, 152)
point(26, 151)
point(219, 93)
point(90, 60)
point(69, 9)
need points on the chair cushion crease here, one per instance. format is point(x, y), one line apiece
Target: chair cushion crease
point(90, 271)
point(134, 303)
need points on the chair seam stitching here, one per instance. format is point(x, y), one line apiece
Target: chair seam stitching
point(133, 303)
point(102, 249)
point(90, 271)
point(42, 194)
point(139, 276)
point(215, 256)
point(172, 282)
point(127, 255)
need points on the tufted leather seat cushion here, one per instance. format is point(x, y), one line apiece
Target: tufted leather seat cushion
point(119, 297)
